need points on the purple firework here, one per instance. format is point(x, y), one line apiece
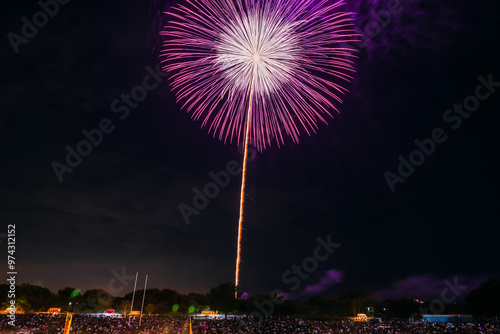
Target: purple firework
point(283, 60)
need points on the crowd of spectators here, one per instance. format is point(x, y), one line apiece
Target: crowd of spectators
point(298, 326)
point(46, 324)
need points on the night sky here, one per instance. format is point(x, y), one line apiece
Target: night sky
point(118, 210)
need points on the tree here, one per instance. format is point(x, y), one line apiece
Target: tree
point(150, 308)
point(40, 299)
point(485, 300)
point(359, 300)
point(22, 304)
point(125, 306)
point(69, 295)
point(65, 293)
point(222, 298)
point(341, 307)
point(196, 299)
point(402, 308)
point(97, 300)
point(319, 305)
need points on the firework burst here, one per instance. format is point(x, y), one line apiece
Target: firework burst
point(292, 52)
point(255, 71)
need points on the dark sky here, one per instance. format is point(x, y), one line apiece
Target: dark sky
point(119, 207)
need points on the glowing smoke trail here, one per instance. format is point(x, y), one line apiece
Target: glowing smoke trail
point(243, 178)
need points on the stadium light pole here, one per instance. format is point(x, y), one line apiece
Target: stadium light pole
point(143, 297)
point(133, 296)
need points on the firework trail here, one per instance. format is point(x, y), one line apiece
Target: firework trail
point(256, 71)
point(243, 182)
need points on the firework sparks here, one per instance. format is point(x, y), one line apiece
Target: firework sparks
point(213, 46)
point(256, 71)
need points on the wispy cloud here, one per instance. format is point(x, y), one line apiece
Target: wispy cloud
point(331, 277)
point(427, 286)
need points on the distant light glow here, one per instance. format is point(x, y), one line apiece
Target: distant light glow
point(75, 293)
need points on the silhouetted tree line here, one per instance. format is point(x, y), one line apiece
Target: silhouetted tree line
point(483, 301)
